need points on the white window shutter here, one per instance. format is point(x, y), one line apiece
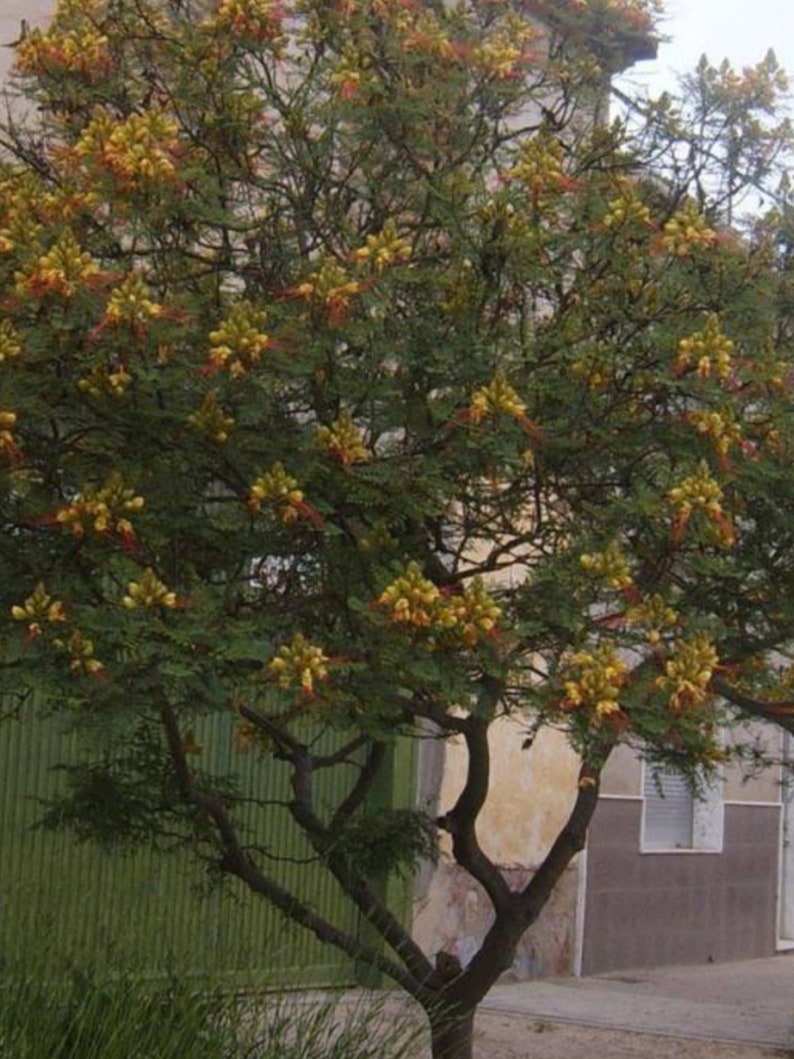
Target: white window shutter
point(669, 809)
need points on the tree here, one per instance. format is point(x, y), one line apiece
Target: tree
point(318, 319)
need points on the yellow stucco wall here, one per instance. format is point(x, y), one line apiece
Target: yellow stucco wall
point(530, 796)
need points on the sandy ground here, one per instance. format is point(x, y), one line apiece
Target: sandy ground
point(503, 1036)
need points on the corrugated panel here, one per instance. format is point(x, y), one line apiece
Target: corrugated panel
point(669, 810)
point(149, 908)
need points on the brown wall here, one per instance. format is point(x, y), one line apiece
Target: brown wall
point(650, 909)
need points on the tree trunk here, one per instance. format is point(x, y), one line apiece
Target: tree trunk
point(452, 1033)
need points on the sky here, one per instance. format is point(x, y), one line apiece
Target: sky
point(739, 30)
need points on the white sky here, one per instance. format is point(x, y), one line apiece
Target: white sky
point(739, 30)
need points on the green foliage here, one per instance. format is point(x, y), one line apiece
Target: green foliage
point(388, 842)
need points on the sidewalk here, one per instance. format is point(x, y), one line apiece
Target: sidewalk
point(751, 1002)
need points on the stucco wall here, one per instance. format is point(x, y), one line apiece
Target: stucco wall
point(531, 793)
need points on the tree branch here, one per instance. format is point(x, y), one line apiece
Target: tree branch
point(569, 842)
point(461, 821)
point(238, 863)
point(779, 712)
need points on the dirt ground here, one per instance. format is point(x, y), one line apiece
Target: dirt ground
point(506, 1036)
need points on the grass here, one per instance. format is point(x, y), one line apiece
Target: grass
point(77, 1013)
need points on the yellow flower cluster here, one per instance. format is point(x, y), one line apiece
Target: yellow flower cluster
point(709, 350)
point(236, 345)
point(654, 614)
point(10, 343)
point(505, 52)
point(627, 209)
point(593, 365)
point(424, 35)
point(212, 419)
point(700, 492)
point(83, 50)
point(687, 230)
point(497, 398)
point(239, 340)
point(64, 268)
point(611, 565)
point(471, 614)
point(21, 198)
point(81, 654)
point(278, 488)
point(344, 440)
point(331, 287)
point(252, 20)
point(384, 249)
point(103, 380)
point(412, 599)
point(719, 427)
point(688, 673)
point(8, 421)
point(540, 165)
point(149, 592)
point(348, 75)
point(102, 510)
point(299, 664)
point(130, 303)
point(38, 609)
point(139, 151)
point(597, 677)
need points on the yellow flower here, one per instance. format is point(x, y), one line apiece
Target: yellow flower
point(595, 682)
point(710, 350)
point(384, 249)
point(279, 489)
point(719, 427)
point(700, 492)
point(611, 565)
point(344, 440)
point(504, 53)
point(102, 510)
point(149, 592)
point(212, 420)
point(10, 342)
point(411, 599)
point(254, 20)
point(330, 287)
point(471, 615)
point(81, 654)
point(626, 209)
point(688, 673)
point(8, 445)
point(130, 303)
point(540, 165)
point(39, 608)
point(654, 614)
point(239, 341)
point(139, 151)
point(103, 380)
point(687, 230)
point(497, 398)
point(82, 50)
point(299, 664)
point(64, 268)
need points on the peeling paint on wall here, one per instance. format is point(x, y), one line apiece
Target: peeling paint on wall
point(530, 796)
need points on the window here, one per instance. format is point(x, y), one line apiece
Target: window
point(674, 818)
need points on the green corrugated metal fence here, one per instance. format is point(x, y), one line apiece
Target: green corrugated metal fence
point(148, 909)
